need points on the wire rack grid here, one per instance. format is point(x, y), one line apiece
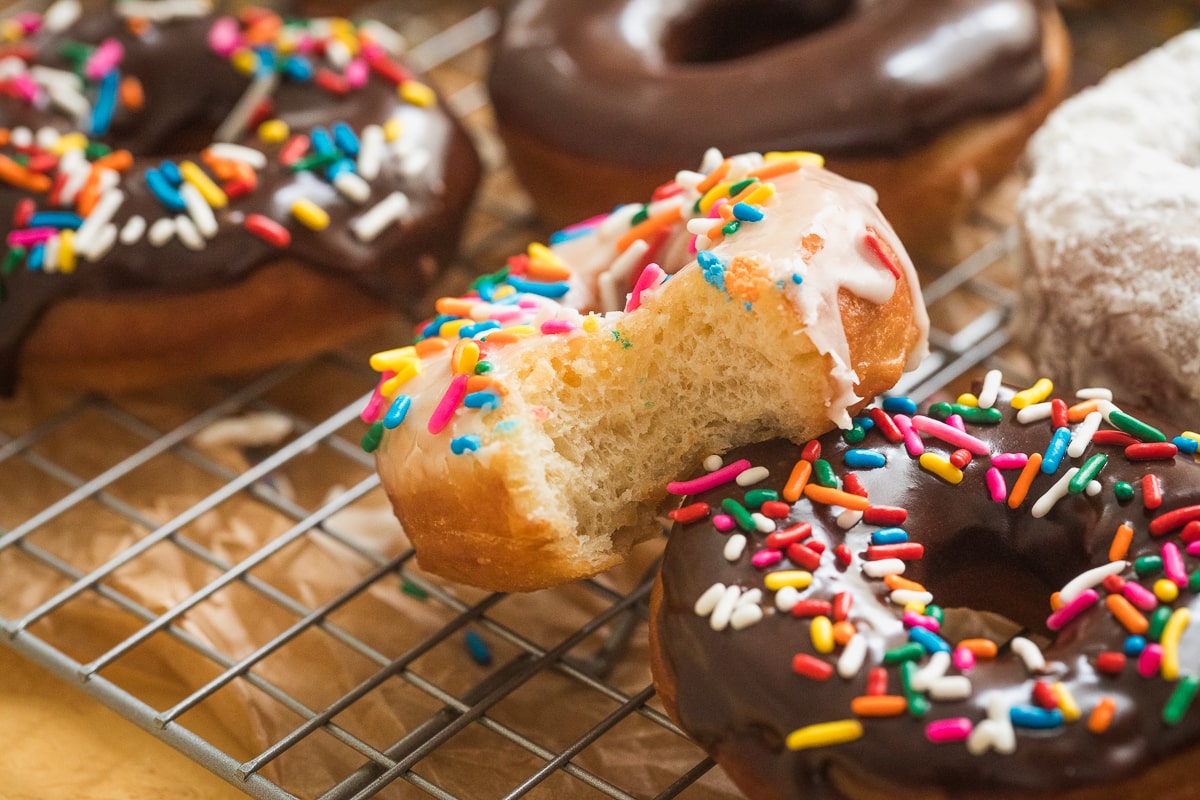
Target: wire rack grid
point(114, 503)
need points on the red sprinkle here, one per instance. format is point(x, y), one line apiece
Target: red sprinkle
point(812, 451)
point(790, 535)
point(886, 425)
point(1152, 496)
point(843, 555)
point(692, 513)
point(1113, 437)
point(882, 251)
point(1113, 584)
point(842, 601)
point(1111, 662)
point(877, 681)
point(1058, 413)
point(294, 150)
point(1044, 696)
point(812, 608)
point(854, 485)
point(387, 68)
point(906, 551)
point(816, 547)
point(1147, 451)
point(811, 667)
point(808, 559)
point(1190, 532)
point(23, 212)
point(1173, 519)
point(960, 458)
point(268, 230)
point(775, 509)
point(885, 515)
point(669, 189)
point(331, 82)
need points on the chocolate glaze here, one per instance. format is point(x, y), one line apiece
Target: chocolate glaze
point(189, 91)
point(737, 694)
point(647, 83)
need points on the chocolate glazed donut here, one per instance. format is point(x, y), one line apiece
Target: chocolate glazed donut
point(1093, 700)
point(927, 101)
point(252, 280)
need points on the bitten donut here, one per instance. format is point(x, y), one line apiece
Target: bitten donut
point(927, 101)
point(1110, 244)
point(183, 195)
point(972, 602)
point(524, 444)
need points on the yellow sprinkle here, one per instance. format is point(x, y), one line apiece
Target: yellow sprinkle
point(821, 631)
point(213, 195)
point(244, 61)
point(418, 94)
point(1171, 635)
point(1191, 435)
point(968, 399)
point(803, 156)
point(404, 374)
point(761, 194)
point(1066, 702)
point(545, 265)
point(285, 43)
point(915, 607)
point(941, 466)
point(393, 359)
point(1166, 590)
point(504, 291)
point(713, 195)
point(824, 734)
point(349, 39)
point(273, 131)
point(450, 328)
point(66, 251)
point(69, 141)
point(465, 357)
point(799, 578)
point(1034, 394)
point(591, 323)
point(392, 129)
point(11, 31)
point(520, 330)
point(310, 215)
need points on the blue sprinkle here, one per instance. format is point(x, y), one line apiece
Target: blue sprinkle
point(929, 640)
point(55, 219)
point(889, 536)
point(866, 423)
point(435, 325)
point(322, 142)
point(747, 213)
point(856, 458)
point(298, 68)
point(797, 278)
point(567, 234)
point(1035, 717)
point(709, 260)
point(1056, 450)
point(507, 426)
point(900, 405)
point(106, 103)
point(464, 444)
point(552, 290)
point(37, 255)
point(170, 171)
point(338, 167)
point(748, 305)
point(485, 399)
point(481, 654)
point(164, 191)
point(266, 60)
point(1186, 444)
point(471, 331)
point(345, 138)
point(1134, 645)
point(397, 412)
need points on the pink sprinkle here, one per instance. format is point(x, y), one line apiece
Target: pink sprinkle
point(1173, 565)
point(305, 43)
point(449, 403)
point(1193, 548)
point(357, 72)
point(652, 276)
point(1009, 460)
point(104, 59)
point(1150, 660)
point(912, 439)
point(26, 87)
point(914, 620)
point(28, 236)
point(528, 302)
point(590, 222)
point(715, 211)
point(1073, 609)
point(950, 435)
point(710, 481)
point(723, 522)
point(955, 729)
point(558, 326)
point(692, 245)
point(963, 659)
point(223, 36)
point(30, 22)
point(505, 313)
point(956, 421)
point(996, 485)
point(371, 410)
point(766, 558)
point(372, 50)
point(1140, 596)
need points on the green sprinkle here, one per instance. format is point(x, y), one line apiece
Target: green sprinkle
point(75, 51)
point(1123, 491)
point(22, 159)
point(855, 435)
point(941, 411)
point(1194, 582)
point(96, 150)
point(1147, 565)
point(731, 227)
point(1181, 699)
point(483, 367)
point(640, 216)
point(313, 162)
point(1135, 427)
point(12, 258)
point(936, 612)
point(823, 474)
point(978, 416)
point(738, 187)
point(413, 590)
point(494, 278)
point(909, 652)
point(1090, 469)
point(620, 339)
point(1158, 621)
point(756, 497)
point(918, 704)
point(373, 436)
point(739, 513)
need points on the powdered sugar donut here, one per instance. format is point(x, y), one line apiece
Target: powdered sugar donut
point(1108, 222)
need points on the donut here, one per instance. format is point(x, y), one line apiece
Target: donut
point(512, 436)
point(1108, 243)
point(184, 195)
point(977, 601)
point(929, 102)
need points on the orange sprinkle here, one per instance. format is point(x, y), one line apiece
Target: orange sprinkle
point(1102, 715)
point(478, 383)
point(649, 226)
point(1079, 411)
point(843, 631)
point(223, 168)
point(1025, 480)
point(138, 26)
point(89, 195)
point(547, 269)
point(715, 234)
point(835, 497)
point(981, 648)
point(130, 93)
point(5, 136)
point(19, 176)
point(773, 169)
point(794, 488)
point(1126, 614)
point(502, 337)
point(1055, 601)
point(456, 306)
point(263, 30)
point(741, 196)
point(1120, 543)
point(714, 177)
point(879, 705)
point(895, 582)
point(431, 345)
point(117, 160)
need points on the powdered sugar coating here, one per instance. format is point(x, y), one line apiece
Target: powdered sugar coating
point(1109, 222)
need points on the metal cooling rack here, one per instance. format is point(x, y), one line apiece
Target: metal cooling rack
point(587, 664)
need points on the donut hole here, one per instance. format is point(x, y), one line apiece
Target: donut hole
point(726, 31)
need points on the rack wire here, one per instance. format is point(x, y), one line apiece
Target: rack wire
point(549, 700)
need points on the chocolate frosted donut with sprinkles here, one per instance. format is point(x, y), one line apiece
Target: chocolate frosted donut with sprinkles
point(524, 443)
point(184, 194)
point(990, 598)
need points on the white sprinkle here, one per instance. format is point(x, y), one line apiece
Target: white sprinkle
point(1089, 578)
point(371, 146)
point(1093, 488)
point(414, 163)
point(713, 463)
point(745, 616)
point(199, 211)
point(763, 523)
point(161, 232)
point(1034, 413)
point(375, 219)
point(352, 187)
point(983, 737)
point(239, 153)
point(619, 221)
point(719, 620)
point(1029, 653)
point(1107, 407)
point(883, 567)
point(388, 38)
point(102, 244)
point(689, 179)
point(46, 137)
point(699, 225)
point(786, 597)
point(1082, 437)
point(50, 254)
point(109, 179)
point(934, 670)
point(11, 67)
point(62, 15)
point(188, 233)
point(951, 687)
point(711, 160)
point(708, 601)
point(734, 547)
point(1055, 493)
point(1095, 393)
point(102, 213)
point(991, 388)
point(134, 229)
point(998, 707)
point(853, 655)
point(903, 597)
point(849, 518)
point(338, 53)
point(21, 137)
point(752, 476)
point(51, 77)
point(749, 597)
point(164, 10)
point(71, 102)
